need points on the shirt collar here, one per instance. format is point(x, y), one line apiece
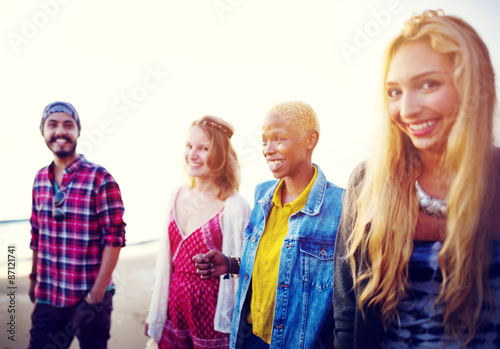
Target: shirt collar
point(298, 203)
point(75, 165)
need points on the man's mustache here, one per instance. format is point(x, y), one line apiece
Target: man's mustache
point(55, 138)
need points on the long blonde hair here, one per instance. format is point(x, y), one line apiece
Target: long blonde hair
point(388, 207)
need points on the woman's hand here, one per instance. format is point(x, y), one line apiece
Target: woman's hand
point(211, 264)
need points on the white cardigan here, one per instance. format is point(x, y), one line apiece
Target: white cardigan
point(233, 223)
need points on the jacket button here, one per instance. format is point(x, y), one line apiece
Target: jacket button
point(246, 276)
point(323, 252)
point(254, 239)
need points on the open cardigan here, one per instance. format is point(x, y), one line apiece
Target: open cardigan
point(233, 223)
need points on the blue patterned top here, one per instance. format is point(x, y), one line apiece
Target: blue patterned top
point(420, 321)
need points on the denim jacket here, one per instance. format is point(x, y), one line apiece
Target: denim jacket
point(303, 311)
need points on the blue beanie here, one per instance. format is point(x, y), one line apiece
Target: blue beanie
point(60, 107)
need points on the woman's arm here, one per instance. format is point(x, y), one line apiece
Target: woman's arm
point(155, 320)
point(344, 298)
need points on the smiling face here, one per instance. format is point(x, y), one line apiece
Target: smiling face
point(61, 132)
point(196, 153)
point(422, 98)
point(287, 152)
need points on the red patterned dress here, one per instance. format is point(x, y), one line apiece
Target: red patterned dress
point(192, 301)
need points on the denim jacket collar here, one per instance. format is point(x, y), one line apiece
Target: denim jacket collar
point(314, 201)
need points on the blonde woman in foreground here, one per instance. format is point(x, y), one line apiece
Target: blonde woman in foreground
point(417, 260)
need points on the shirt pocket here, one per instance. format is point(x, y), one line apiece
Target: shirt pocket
point(248, 231)
point(316, 259)
point(44, 202)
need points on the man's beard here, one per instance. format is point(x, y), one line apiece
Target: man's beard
point(65, 154)
point(62, 154)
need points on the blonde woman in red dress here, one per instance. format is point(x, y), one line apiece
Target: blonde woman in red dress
point(208, 214)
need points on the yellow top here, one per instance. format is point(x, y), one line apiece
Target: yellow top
point(267, 259)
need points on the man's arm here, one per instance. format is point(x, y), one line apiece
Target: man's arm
point(33, 245)
point(109, 207)
point(31, 291)
point(108, 263)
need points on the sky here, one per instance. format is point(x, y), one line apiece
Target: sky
point(139, 72)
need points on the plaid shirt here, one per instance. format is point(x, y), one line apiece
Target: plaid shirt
point(69, 252)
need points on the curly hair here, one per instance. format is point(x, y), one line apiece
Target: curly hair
point(302, 115)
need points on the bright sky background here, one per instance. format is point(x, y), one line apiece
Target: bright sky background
point(139, 72)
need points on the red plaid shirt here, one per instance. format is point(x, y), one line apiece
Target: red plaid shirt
point(69, 252)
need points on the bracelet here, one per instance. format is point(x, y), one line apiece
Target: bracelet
point(238, 259)
point(228, 259)
point(32, 276)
